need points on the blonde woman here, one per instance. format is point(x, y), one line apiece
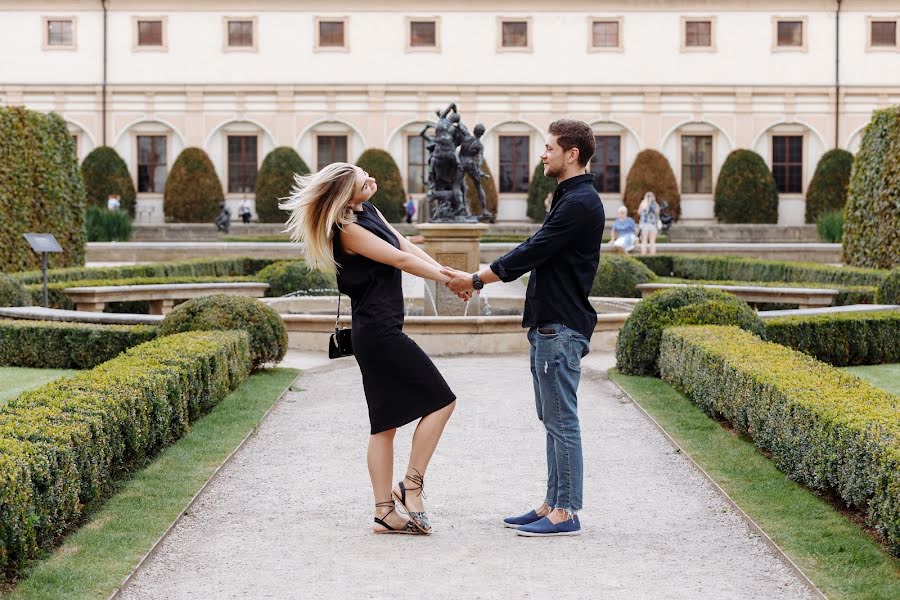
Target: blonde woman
point(343, 232)
point(649, 222)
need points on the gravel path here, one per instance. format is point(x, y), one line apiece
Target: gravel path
point(289, 517)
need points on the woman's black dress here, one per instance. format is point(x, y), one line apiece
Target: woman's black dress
point(401, 382)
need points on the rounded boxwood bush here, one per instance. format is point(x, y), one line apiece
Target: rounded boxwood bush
point(490, 193)
point(193, 190)
point(268, 336)
point(745, 190)
point(871, 217)
point(104, 225)
point(888, 291)
point(828, 188)
point(618, 275)
point(287, 276)
point(41, 189)
point(637, 347)
point(830, 226)
point(651, 172)
point(390, 198)
point(275, 180)
point(540, 186)
point(105, 174)
point(13, 293)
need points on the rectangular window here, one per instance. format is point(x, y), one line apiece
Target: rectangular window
point(241, 164)
point(240, 34)
point(696, 164)
point(151, 171)
point(422, 34)
point(60, 33)
point(605, 34)
point(330, 149)
point(514, 34)
point(883, 34)
point(787, 163)
point(514, 155)
point(790, 34)
point(150, 33)
point(698, 34)
point(606, 163)
point(417, 161)
point(331, 34)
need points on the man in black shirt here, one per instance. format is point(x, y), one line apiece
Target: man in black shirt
point(562, 257)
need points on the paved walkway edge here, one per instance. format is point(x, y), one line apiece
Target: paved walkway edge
point(153, 550)
point(753, 525)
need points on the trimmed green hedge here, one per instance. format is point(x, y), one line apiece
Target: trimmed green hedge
point(193, 191)
point(745, 190)
point(637, 346)
point(202, 267)
point(842, 339)
point(104, 225)
point(825, 428)
point(275, 180)
point(287, 276)
point(63, 445)
point(390, 198)
point(847, 294)
point(753, 269)
point(52, 345)
point(889, 290)
point(618, 275)
point(872, 216)
point(41, 189)
point(105, 174)
point(57, 299)
point(268, 335)
point(13, 293)
point(828, 188)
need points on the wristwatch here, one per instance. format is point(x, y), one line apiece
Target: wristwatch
point(476, 282)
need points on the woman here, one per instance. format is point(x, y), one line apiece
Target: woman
point(649, 223)
point(342, 231)
point(623, 232)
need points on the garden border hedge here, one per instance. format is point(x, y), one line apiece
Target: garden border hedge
point(52, 345)
point(63, 444)
point(825, 428)
point(841, 339)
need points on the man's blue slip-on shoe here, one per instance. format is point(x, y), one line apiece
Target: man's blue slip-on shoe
point(546, 528)
point(526, 519)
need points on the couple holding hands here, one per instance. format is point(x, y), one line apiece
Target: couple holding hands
point(342, 231)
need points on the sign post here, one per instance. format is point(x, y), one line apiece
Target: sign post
point(44, 243)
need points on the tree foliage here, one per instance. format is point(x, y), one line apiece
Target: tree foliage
point(828, 188)
point(745, 190)
point(651, 172)
point(275, 180)
point(105, 174)
point(193, 190)
point(390, 197)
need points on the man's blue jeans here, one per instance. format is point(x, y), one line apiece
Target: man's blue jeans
point(556, 371)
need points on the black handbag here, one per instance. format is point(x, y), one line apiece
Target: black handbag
point(339, 344)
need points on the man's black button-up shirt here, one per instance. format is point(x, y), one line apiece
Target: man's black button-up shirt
point(563, 256)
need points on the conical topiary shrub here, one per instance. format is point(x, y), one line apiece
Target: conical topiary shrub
point(490, 193)
point(651, 172)
point(105, 173)
point(828, 188)
point(275, 180)
point(540, 186)
point(745, 190)
point(872, 214)
point(193, 190)
point(390, 197)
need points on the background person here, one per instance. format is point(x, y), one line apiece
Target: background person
point(650, 224)
point(624, 232)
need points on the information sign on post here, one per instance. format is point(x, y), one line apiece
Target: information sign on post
point(43, 243)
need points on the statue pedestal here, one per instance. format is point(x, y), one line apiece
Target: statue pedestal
point(454, 245)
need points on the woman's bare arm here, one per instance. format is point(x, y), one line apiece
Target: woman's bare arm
point(408, 246)
point(358, 240)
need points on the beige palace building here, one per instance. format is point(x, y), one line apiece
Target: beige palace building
point(694, 79)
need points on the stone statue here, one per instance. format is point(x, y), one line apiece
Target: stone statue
point(446, 170)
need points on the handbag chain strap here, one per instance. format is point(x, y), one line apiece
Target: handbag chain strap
point(338, 317)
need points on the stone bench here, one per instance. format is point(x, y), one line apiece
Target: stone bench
point(803, 297)
point(39, 313)
point(162, 297)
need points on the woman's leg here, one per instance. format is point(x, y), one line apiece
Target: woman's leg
point(381, 471)
point(643, 242)
point(425, 440)
point(653, 242)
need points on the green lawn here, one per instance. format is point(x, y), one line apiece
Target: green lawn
point(94, 560)
point(15, 380)
point(887, 377)
point(842, 559)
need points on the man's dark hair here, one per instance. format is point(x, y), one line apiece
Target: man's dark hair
point(574, 134)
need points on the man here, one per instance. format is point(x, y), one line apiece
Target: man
point(562, 257)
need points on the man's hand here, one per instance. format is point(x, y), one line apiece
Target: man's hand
point(460, 281)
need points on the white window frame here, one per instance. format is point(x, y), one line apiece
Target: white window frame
point(804, 30)
point(136, 47)
point(254, 33)
point(45, 37)
point(437, 34)
point(529, 33)
point(870, 47)
point(319, 48)
point(712, 34)
point(590, 40)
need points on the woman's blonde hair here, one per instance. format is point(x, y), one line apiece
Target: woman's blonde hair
point(317, 203)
